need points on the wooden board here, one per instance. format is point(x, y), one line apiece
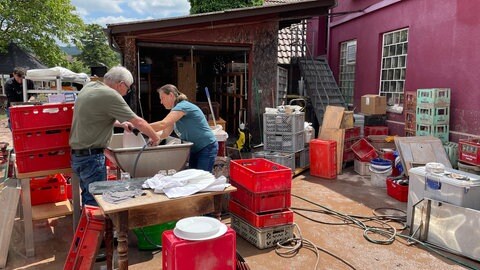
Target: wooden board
point(9, 196)
point(187, 79)
point(337, 135)
point(419, 150)
point(49, 210)
point(333, 117)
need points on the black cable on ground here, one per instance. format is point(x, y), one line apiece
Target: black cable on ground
point(387, 231)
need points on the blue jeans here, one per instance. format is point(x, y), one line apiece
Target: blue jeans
point(205, 158)
point(89, 169)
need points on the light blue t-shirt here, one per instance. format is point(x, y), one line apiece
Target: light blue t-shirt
point(193, 126)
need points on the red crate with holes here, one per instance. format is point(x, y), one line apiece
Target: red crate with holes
point(43, 160)
point(261, 202)
point(41, 116)
point(469, 151)
point(352, 133)
point(375, 130)
point(363, 150)
point(261, 220)
point(49, 189)
point(87, 239)
point(40, 138)
point(260, 175)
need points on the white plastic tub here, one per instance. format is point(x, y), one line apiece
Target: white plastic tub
point(443, 188)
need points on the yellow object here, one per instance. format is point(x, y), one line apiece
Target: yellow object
point(241, 140)
point(389, 138)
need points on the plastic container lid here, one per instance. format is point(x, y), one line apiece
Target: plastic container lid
point(199, 228)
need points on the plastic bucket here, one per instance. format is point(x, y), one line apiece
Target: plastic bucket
point(150, 237)
point(379, 178)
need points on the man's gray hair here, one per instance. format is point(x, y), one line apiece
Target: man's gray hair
point(117, 74)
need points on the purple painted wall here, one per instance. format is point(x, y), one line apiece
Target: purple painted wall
point(443, 51)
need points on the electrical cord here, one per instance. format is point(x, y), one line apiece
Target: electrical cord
point(386, 230)
point(290, 248)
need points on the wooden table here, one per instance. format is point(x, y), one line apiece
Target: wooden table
point(152, 209)
point(44, 211)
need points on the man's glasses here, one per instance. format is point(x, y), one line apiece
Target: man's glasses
point(129, 89)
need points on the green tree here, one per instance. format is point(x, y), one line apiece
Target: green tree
point(204, 6)
point(95, 48)
point(38, 26)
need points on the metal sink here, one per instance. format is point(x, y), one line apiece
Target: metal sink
point(171, 155)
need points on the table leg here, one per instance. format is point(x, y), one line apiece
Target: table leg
point(76, 199)
point(109, 242)
point(217, 206)
point(27, 217)
point(122, 237)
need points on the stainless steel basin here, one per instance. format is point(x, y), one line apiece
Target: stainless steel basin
point(173, 155)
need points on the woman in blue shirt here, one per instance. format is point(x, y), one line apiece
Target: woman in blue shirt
point(190, 124)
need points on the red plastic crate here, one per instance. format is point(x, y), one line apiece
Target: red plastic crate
point(41, 116)
point(323, 158)
point(263, 220)
point(87, 239)
point(348, 155)
point(261, 202)
point(363, 150)
point(42, 160)
point(352, 133)
point(375, 130)
point(215, 254)
point(39, 139)
point(397, 191)
point(260, 175)
point(469, 151)
point(48, 189)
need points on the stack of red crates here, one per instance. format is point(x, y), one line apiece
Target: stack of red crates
point(40, 136)
point(263, 195)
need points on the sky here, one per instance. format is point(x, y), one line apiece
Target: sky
point(105, 12)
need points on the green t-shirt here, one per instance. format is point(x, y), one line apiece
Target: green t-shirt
point(95, 111)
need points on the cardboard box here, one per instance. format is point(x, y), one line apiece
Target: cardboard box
point(347, 120)
point(374, 104)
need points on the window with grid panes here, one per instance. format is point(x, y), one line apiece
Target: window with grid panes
point(348, 54)
point(394, 64)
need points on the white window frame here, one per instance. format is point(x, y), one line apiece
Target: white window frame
point(393, 68)
point(346, 78)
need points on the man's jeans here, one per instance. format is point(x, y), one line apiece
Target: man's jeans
point(89, 169)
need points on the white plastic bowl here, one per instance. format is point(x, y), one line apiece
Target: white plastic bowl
point(198, 227)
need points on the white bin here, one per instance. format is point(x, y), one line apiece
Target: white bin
point(442, 188)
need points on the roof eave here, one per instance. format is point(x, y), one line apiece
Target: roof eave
point(298, 10)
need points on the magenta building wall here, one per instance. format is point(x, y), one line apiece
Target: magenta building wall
point(443, 51)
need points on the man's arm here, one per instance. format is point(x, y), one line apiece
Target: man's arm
point(146, 129)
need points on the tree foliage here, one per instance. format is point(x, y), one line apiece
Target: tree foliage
point(95, 48)
point(38, 26)
point(204, 6)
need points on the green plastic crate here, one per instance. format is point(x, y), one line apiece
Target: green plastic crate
point(433, 97)
point(433, 116)
point(150, 237)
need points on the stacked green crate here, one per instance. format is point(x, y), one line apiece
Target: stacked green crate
point(433, 113)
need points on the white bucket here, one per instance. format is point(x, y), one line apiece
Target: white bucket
point(379, 179)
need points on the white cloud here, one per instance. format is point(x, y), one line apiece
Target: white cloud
point(91, 6)
point(161, 8)
point(114, 11)
point(119, 19)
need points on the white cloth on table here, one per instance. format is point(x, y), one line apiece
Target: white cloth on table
point(185, 183)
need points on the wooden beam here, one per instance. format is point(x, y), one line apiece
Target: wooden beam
point(9, 196)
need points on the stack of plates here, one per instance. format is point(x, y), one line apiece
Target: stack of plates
point(199, 228)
